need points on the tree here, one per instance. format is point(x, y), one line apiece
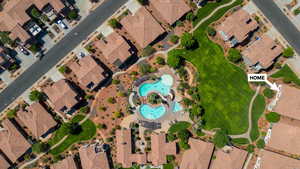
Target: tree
point(268, 93)
point(11, 113)
point(170, 158)
point(190, 16)
point(171, 137)
point(184, 135)
point(40, 147)
point(160, 61)
point(114, 23)
point(211, 31)
point(183, 145)
point(35, 13)
point(221, 138)
point(73, 15)
point(273, 117)
point(260, 144)
point(4, 38)
point(234, 55)
point(118, 114)
point(102, 126)
point(111, 100)
point(174, 59)
point(188, 41)
point(154, 98)
point(288, 52)
point(73, 128)
point(64, 69)
point(250, 148)
point(174, 39)
point(36, 96)
point(34, 48)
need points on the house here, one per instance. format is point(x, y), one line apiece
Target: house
point(92, 157)
point(160, 149)
point(232, 159)
point(170, 10)
point(198, 156)
point(237, 28)
point(14, 17)
point(272, 160)
point(3, 163)
point(67, 163)
point(115, 49)
point(285, 137)
point(62, 96)
point(288, 103)
point(5, 60)
point(12, 143)
point(124, 150)
point(261, 53)
point(37, 120)
point(142, 27)
point(88, 72)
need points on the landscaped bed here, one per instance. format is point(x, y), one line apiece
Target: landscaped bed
point(287, 75)
point(87, 133)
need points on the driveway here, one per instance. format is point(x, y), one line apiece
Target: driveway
point(60, 50)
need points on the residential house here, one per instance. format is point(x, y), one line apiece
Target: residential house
point(160, 149)
point(198, 156)
point(125, 156)
point(67, 163)
point(272, 160)
point(232, 159)
point(37, 120)
point(12, 143)
point(262, 53)
point(88, 72)
point(93, 157)
point(115, 49)
point(237, 28)
point(62, 96)
point(3, 163)
point(170, 10)
point(142, 27)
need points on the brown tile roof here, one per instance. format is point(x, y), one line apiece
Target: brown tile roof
point(67, 163)
point(238, 25)
point(91, 159)
point(233, 159)
point(285, 137)
point(56, 4)
point(37, 119)
point(270, 160)
point(61, 94)
point(12, 143)
point(124, 150)
point(160, 149)
point(114, 48)
point(88, 71)
point(171, 10)
point(263, 51)
point(198, 156)
point(3, 163)
point(288, 104)
point(19, 32)
point(142, 27)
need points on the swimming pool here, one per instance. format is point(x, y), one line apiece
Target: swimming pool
point(162, 86)
point(152, 113)
point(177, 107)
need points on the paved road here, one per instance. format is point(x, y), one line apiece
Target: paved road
point(55, 54)
point(280, 21)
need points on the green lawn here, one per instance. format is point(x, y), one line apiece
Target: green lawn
point(287, 74)
point(88, 132)
point(240, 141)
point(257, 110)
point(224, 89)
point(179, 126)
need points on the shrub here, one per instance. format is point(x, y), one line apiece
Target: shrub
point(183, 145)
point(11, 113)
point(260, 144)
point(190, 16)
point(40, 147)
point(296, 11)
point(147, 51)
point(160, 61)
point(115, 81)
point(174, 39)
point(288, 52)
point(102, 108)
point(84, 109)
point(174, 60)
point(102, 126)
point(64, 69)
point(36, 96)
point(35, 13)
point(34, 48)
point(146, 69)
point(268, 93)
point(88, 97)
point(234, 55)
point(221, 138)
point(273, 117)
point(188, 41)
point(118, 114)
point(170, 158)
point(114, 23)
point(211, 31)
point(5, 39)
point(111, 100)
point(184, 135)
point(154, 98)
point(250, 148)
point(73, 15)
point(171, 137)
point(179, 23)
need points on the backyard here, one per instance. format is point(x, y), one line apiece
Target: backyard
point(287, 75)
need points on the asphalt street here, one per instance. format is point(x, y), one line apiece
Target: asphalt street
point(280, 22)
point(61, 49)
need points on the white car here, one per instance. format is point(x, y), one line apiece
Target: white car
point(62, 24)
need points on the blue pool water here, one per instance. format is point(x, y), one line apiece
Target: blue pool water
point(152, 113)
point(162, 86)
point(177, 107)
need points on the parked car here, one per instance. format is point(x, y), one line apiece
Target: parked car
point(23, 50)
point(62, 24)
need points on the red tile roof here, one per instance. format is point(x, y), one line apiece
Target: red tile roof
point(171, 10)
point(142, 27)
point(3, 163)
point(270, 160)
point(91, 159)
point(67, 163)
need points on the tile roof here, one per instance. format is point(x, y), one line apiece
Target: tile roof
point(270, 160)
point(3, 163)
point(124, 150)
point(67, 163)
point(87, 70)
point(114, 48)
point(239, 24)
point(288, 104)
point(12, 143)
point(263, 51)
point(61, 94)
point(160, 149)
point(171, 10)
point(56, 4)
point(198, 156)
point(234, 159)
point(37, 119)
point(285, 137)
point(91, 159)
point(142, 27)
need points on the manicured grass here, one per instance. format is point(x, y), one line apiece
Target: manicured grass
point(88, 132)
point(168, 166)
point(240, 141)
point(287, 74)
point(257, 111)
point(181, 125)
